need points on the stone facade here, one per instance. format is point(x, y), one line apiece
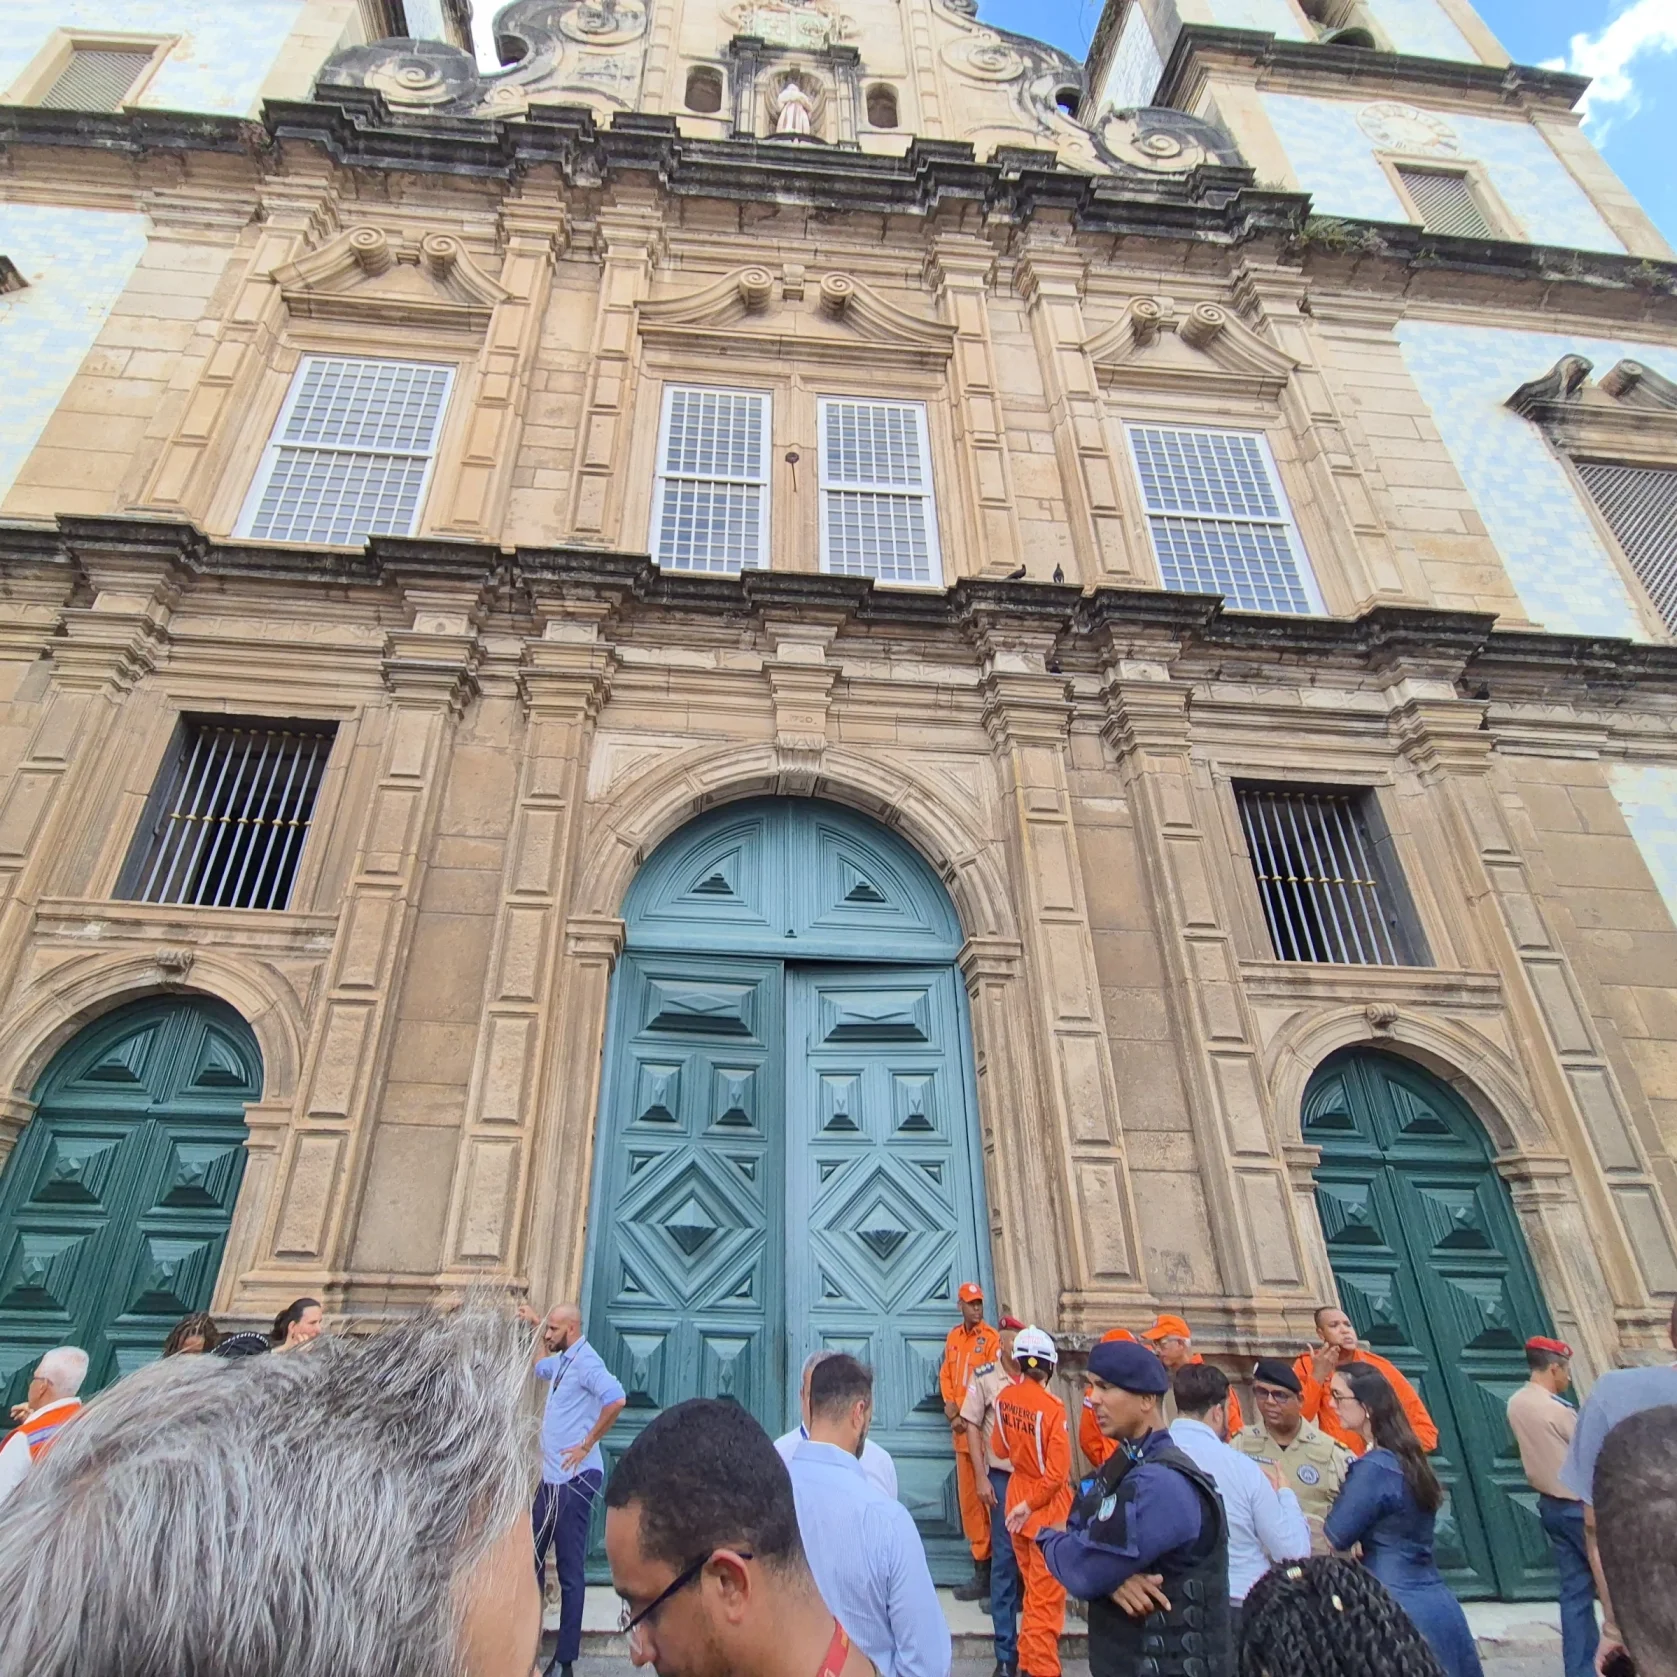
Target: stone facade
point(526, 706)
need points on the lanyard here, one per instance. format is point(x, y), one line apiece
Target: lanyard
point(838, 1650)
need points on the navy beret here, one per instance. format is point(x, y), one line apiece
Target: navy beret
point(1132, 1367)
point(1273, 1372)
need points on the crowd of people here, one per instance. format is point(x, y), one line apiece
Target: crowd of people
point(368, 1506)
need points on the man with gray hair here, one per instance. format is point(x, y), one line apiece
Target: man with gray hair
point(52, 1405)
point(876, 1459)
point(354, 1512)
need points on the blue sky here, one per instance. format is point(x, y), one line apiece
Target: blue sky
point(1629, 46)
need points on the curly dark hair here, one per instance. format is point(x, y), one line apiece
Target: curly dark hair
point(1327, 1617)
point(1393, 1432)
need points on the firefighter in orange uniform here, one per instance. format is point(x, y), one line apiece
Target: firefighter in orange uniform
point(1032, 1423)
point(1170, 1338)
point(1338, 1347)
point(1095, 1444)
point(972, 1345)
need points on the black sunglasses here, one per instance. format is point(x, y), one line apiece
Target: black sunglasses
point(628, 1624)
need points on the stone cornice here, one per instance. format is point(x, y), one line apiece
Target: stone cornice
point(1339, 69)
point(1188, 634)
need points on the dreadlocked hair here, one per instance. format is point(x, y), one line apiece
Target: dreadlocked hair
point(1326, 1617)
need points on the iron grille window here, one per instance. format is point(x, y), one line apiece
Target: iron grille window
point(228, 817)
point(1640, 506)
point(710, 502)
point(351, 454)
point(96, 78)
point(877, 513)
point(1219, 518)
point(1446, 202)
point(1328, 891)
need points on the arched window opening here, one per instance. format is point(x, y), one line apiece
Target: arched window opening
point(882, 106)
point(1068, 99)
point(704, 91)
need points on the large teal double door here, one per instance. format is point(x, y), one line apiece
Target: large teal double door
point(786, 1141)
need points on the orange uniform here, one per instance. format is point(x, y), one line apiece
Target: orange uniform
point(1097, 1446)
point(965, 1351)
point(1032, 1424)
point(1320, 1408)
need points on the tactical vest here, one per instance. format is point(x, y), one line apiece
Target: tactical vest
point(1194, 1639)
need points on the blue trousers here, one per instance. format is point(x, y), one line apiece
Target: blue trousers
point(1004, 1576)
point(560, 1519)
point(1564, 1523)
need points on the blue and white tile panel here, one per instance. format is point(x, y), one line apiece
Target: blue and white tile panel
point(1647, 797)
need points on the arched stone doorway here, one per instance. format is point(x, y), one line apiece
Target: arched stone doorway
point(1433, 1270)
point(788, 1154)
point(116, 1201)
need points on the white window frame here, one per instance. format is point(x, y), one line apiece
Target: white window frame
point(1287, 521)
point(661, 478)
point(42, 71)
point(276, 443)
point(927, 493)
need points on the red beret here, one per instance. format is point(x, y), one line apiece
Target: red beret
point(1559, 1347)
point(1011, 1322)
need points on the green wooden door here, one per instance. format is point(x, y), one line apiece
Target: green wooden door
point(786, 1153)
point(116, 1200)
point(881, 1191)
point(1434, 1272)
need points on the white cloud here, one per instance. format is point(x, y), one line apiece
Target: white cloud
point(1645, 26)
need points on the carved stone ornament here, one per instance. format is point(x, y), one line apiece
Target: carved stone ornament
point(1382, 1018)
point(562, 40)
point(173, 965)
point(366, 275)
point(797, 25)
point(1164, 142)
point(1629, 413)
point(1400, 127)
point(836, 318)
point(1162, 345)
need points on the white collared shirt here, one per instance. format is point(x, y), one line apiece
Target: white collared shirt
point(876, 1459)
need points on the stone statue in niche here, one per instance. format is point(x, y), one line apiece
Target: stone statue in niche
point(793, 111)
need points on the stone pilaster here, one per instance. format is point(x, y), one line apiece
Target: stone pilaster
point(801, 676)
point(1050, 280)
point(960, 269)
point(429, 669)
point(1254, 1197)
point(563, 681)
point(1558, 1041)
point(1026, 711)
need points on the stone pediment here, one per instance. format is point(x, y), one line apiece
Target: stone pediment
point(366, 275)
point(1158, 345)
point(834, 317)
point(1629, 413)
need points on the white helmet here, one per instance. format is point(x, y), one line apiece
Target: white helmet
point(1033, 1342)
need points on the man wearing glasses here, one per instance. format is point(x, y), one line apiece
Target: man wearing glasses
point(702, 1537)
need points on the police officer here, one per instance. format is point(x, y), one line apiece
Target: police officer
point(1147, 1545)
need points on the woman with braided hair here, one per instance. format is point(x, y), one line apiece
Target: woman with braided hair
point(1389, 1504)
point(1328, 1617)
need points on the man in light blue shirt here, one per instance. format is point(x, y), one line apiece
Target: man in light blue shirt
point(876, 1459)
point(1266, 1523)
point(862, 1545)
point(583, 1399)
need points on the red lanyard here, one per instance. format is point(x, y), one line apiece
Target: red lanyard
point(838, 1650)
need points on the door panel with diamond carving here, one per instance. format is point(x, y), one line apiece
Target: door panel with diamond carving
point(1433, 1270)
point(880, 1184)
point(115, 1203)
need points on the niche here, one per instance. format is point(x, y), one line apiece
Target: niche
point(704, 90)
point(882, 106)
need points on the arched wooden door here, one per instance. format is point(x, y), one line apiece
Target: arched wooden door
point(788, 1153)
point(116, 1200)
point(1433, 1270)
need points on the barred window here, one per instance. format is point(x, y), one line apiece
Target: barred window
point(710, 501)
point(227, 820)
point(352, 453)
point(1446, 203)
point(1219, 518)
point(878, 516)
point(1330, 888)
point(96, 78)
point(1640, 506)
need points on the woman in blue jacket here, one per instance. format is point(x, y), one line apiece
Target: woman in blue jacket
point(1390, 1505)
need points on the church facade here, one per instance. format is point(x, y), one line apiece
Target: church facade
point(776, 656)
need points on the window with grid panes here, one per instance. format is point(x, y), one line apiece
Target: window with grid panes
point(351, 454)
point(1330, 889)
point(878, 514)
point(96, 78)
point(1445, 200)
point(1218, 518)
point(1640, 506)
point(227, 820)
point(710, 500)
